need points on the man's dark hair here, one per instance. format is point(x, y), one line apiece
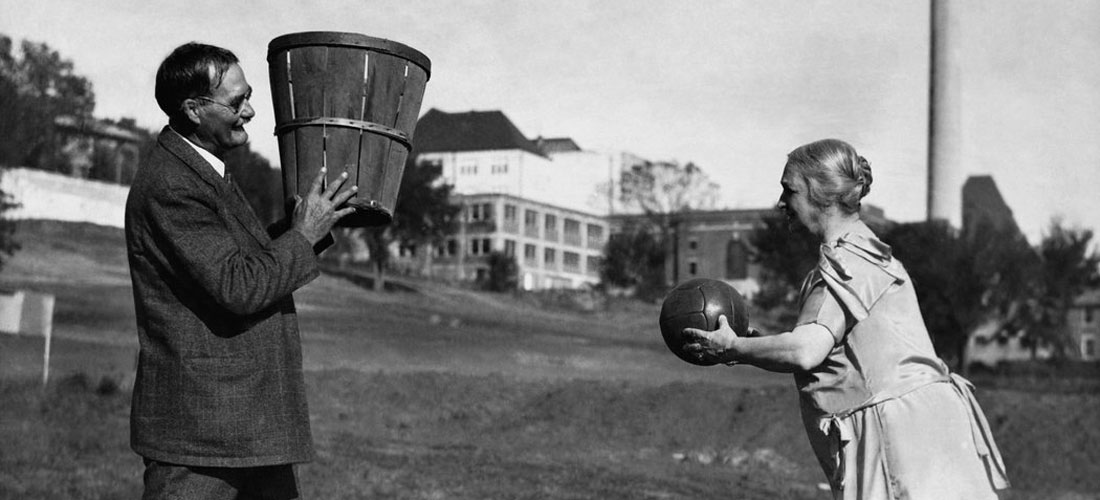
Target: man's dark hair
point(185, 74)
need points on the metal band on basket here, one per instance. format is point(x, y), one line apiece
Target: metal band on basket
point(372, 127)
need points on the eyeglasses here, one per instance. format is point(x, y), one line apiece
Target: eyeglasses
point(236, 107)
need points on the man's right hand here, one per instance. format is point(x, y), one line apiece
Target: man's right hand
point(315, 215)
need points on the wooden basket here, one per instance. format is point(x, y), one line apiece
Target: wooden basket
point(348, 102)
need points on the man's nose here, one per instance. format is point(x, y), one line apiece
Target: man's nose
point(247, 111)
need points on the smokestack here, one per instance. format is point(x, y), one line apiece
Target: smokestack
point(945, 163)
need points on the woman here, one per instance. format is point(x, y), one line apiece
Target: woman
point(884, 416)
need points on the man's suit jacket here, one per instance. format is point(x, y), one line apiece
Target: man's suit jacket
point(219, 379)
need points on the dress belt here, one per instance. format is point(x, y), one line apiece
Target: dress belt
point(983, 437)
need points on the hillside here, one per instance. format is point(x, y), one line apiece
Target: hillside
point(444, 392)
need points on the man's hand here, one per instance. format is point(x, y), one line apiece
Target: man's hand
point(315, 215)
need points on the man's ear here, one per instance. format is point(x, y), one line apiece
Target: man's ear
point(190, 108)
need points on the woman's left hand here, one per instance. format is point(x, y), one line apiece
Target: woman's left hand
point(715, 346)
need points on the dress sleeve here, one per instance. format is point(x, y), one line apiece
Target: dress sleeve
point(822, 307)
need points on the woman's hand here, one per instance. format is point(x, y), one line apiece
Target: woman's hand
point(718, 346)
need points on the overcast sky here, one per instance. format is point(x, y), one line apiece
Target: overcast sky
point(729, 85)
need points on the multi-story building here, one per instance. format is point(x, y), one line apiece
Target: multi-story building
point(709, 244)
point(716, 243)
point(554, 247)
point(540, 201)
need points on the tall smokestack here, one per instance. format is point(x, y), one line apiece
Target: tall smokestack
point(945, 162)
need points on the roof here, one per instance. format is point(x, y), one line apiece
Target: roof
point(438, 131)
point(95, 127)
point(551, 145)
point(1088, 298)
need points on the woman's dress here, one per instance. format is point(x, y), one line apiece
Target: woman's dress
point(884, 415)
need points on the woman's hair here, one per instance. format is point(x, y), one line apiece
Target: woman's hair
point(185, 74)
point(834, 173)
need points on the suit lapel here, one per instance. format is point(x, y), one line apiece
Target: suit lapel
point(246, 215)
point(223, 187)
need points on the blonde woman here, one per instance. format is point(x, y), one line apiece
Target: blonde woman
point(884, 415)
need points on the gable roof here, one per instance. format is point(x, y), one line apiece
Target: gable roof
point(438, 131)
point(551, 145)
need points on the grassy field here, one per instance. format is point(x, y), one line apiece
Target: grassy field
point(438, 392)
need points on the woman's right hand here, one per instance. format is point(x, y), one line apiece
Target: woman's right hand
point(716, 346)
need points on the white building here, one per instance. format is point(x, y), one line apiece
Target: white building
point(543, 201)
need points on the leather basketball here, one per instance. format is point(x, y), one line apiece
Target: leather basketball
point(698, 303)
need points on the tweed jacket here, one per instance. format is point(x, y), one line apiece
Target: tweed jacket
point(219, 379)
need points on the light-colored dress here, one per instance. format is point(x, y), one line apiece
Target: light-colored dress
point(884, 415)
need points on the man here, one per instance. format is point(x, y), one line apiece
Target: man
point(219, 406)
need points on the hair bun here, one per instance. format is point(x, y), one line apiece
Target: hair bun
point(863, 175)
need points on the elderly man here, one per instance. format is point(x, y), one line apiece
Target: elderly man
point(219, 405)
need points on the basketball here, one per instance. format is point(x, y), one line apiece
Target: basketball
point(698, 303)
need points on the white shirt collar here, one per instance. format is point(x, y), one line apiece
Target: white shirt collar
point(214, 161)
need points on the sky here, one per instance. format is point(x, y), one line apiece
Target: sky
point(730, 85)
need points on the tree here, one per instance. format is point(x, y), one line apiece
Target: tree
point(965, 281)
point(503, 273)
point(662, 188)
point(423, 216)
point(660, 191)
point(785, 255)
point(36, 89)
point(1069, 265)
point(635, 260)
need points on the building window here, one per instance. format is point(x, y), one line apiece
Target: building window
point(531, 223)
point(737, 260)
point(693, 244)
point(693, 268)
point(467, 168)
point(595, 236)
point(500, 166)
point(448, 249)
point(509, 213)
point(480, 246)
point(509, 248)
point(551, 223)
point(571, 261)
point(1088, 347)
point(530, 253)
point(549, 256)
point(1089, 315)
point(481, 211)
point(572, 232)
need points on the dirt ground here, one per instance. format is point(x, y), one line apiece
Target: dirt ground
point(441, 393)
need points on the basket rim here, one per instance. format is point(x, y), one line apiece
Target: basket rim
point(348, 39)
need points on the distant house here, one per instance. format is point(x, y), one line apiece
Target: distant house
point(1083, 320)
point(96, 149)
